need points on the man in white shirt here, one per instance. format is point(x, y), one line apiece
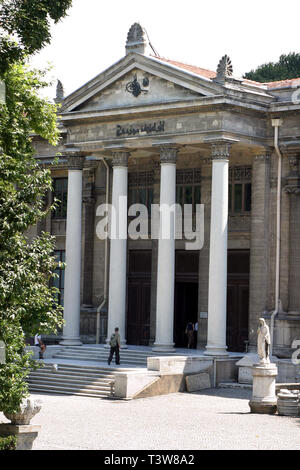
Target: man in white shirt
point(39, 343)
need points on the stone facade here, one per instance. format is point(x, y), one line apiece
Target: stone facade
point(143, 104)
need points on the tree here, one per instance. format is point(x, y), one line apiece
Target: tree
point(29, 21)
point(288, 66)
point(28, 303)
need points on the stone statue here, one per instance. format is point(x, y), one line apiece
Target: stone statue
point(263, 342)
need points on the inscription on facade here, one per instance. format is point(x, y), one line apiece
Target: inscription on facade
point(143, 129)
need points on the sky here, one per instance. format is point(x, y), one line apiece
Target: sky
point(93, 35)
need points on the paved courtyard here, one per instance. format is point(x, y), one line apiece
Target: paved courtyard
point(215, 419)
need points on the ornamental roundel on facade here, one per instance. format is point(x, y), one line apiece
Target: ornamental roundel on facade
point(135, 88)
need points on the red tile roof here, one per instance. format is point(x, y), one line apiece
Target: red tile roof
point(190, 68)
point(210, 74)
point(284, 83)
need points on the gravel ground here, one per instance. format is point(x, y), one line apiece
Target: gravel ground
point(216, 419)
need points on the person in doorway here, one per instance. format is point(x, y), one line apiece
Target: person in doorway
point(189, 331)
point(39, 343)
point(195, 334)
point(115, 344)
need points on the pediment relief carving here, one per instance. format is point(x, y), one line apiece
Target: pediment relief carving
point(137, 88)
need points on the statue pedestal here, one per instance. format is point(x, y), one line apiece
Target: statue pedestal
point(264, 398)
point(25, 433)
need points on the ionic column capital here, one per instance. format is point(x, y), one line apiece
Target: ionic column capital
point(120, 158)
point(168, 154)
point(220, 150)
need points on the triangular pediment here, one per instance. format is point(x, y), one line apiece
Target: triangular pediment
point(137, 81)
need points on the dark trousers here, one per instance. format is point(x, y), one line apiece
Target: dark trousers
point(113, 350)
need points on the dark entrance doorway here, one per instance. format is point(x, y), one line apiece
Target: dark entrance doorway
point(139, 297)
point(186, 294)
point(186, 302)
point(237, 299)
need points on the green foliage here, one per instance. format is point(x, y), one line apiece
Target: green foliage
point(27, 304)
point(287, 67)
point(8, 443)
point(29, 21)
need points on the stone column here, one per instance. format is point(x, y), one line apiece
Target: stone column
point(71, 329)
point(166, 253)
point(204, 253)
point(88, 239)
point(293, 189)
point(217, 293)
point(259, 245)
point(118, 248)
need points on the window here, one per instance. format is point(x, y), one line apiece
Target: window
point(59, 281)
point(239, 193)
point(188, 189)
point(140, 189)
point(60, 192)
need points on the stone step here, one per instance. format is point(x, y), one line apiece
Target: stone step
point(84, 379)
point(41, 388)
point(73, 379)
point(103, 353)
point(73, 373)
point(67, 380)
point(93, 358)
point(235, 385)
point(127, 350)
point(89, 369)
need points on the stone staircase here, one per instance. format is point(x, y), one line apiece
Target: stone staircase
point(130, 357)
point(83, 370)
point(73, 379)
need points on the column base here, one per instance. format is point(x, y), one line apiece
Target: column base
point(263, 407)
point(216, 351)
point(71, 342)
point(164, 347)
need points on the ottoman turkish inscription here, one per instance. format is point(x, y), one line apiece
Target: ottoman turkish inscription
point(144, 128)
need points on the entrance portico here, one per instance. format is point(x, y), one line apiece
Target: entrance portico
point(161, 126)
point(117, 303)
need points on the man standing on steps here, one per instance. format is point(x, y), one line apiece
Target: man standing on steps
point(115, 343)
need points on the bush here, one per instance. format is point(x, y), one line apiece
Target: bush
point(8, 443)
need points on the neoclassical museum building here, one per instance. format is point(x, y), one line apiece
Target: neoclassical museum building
point(151, 130)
